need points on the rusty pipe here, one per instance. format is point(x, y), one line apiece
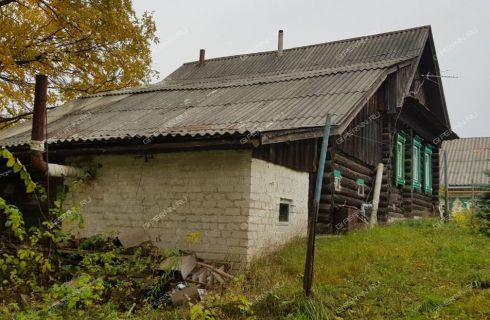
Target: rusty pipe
point(202, 56)
point(38, 134)
point(39, 123)
point(39, 112)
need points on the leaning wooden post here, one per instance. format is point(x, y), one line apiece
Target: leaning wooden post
point(313, 217)
point(446, 184)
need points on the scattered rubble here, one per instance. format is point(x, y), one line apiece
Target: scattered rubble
point(189, 279)
point(133, 238)
point(170, 281)
point(182, 264)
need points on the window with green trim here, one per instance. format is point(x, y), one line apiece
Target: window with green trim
point(416, 176)
point(428, 169)
point(400, 159)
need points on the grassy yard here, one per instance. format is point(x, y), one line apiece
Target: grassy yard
point(419, 269)
point(414, 270)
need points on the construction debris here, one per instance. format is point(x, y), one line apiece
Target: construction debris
point(187, 279)
point(182, 264)
point(220, 270)
point(187, 294)
point(132, 238)
point(173, 280)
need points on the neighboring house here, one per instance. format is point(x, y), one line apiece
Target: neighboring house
point(228, 147)
point(468, 162)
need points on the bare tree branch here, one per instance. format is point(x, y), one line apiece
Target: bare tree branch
point(16, 118)
point(36, 58)
point(19, 116)
point(5, 2)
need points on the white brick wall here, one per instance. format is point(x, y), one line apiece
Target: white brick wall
point(230, 199)
point(269, 184)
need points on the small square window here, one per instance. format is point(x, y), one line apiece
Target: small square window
point(283, 212)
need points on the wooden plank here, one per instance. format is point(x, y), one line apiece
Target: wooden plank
point(351, 164)
point(144, 148)
point(290, 135)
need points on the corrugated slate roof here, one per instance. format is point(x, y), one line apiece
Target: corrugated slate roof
point(358, 51)
point(239, 94)
point(468, 160)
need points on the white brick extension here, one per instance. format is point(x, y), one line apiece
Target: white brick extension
point(226, 199)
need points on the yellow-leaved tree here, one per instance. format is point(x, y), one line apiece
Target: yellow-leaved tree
point(84, 46)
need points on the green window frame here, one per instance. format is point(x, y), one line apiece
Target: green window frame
point(416, 169)
point(428, 169)
point(400, 139)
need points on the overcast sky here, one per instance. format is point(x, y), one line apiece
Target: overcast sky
point(461, 34)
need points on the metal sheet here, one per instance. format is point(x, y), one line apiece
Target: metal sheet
point(239, 94)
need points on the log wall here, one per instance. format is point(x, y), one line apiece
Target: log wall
point(301, 155)
point(362, 138)
point(355, 153)
point(332, 200)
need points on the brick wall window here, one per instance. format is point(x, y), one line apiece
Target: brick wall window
point(284, 208)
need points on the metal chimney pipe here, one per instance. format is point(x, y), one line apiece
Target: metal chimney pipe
point(280, 43)
point(202, 55)
point(38, 134)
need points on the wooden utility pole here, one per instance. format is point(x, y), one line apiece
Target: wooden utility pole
point(313, 217)
point(446, 184)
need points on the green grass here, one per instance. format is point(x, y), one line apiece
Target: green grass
point(413, 270)
point(419, 269)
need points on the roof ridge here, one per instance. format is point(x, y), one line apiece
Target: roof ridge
point(264, 78)
point(317, 95)
point(311, 45)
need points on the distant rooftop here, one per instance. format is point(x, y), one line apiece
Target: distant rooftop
point(468, 160)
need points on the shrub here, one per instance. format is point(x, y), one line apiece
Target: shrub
point(483, 211)
point(483, 214)
point(83, 291)
point(233, 304)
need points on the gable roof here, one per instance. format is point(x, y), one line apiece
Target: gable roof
point(468, 160)
point(242, 94)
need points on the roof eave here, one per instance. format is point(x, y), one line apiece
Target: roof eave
point(439, 79)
